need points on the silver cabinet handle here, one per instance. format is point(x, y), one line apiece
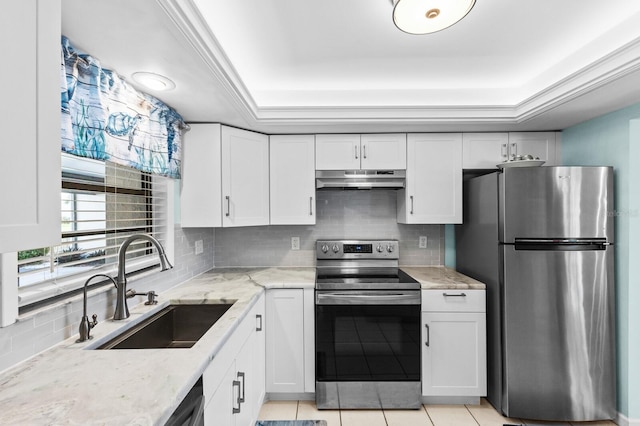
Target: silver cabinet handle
point(364, 151)
point(356, 149)
point(259, 319)
point(310, 206)
point(428, 335)
point(228, 206)
point(504, 151)
point(234, 409)
point(241, 396)
point(454, 295)
point(411, 198)
point(513, 151)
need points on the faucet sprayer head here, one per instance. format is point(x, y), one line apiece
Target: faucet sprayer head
point(164, 262)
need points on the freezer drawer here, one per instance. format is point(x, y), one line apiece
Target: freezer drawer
point(558, 333)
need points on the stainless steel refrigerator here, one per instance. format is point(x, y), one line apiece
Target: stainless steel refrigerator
point(541, 238)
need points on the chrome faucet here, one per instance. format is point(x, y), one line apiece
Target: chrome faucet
point(85, 324)
point(122, 310)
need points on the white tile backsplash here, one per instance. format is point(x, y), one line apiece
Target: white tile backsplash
point(340, 214)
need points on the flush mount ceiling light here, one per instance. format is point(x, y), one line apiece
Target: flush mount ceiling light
point(153, 81)
point(428, 16)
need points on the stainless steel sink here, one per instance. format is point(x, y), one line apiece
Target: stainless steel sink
point(176, 326)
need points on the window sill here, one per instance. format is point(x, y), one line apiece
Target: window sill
point(63, 292)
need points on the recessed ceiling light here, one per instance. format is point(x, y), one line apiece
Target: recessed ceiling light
point(153, 81)
point(428, 16)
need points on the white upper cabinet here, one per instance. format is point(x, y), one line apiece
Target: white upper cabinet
point(487, 150)
point(539, 144)
point(383, 152)
point(484, 150)
point(201, 196)
point(245, 178)
point(433, 193)
point(361, 152)
point(225, 177)
point(30, 163)
point(337, 152)
point(292, 179)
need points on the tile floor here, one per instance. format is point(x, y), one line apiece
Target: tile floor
point(431, 415)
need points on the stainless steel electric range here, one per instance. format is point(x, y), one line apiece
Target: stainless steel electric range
point(367, 320)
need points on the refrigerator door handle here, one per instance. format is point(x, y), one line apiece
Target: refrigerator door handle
point(561, 244)
point(561, 240)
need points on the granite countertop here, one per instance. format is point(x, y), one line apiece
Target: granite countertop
point(70, 384)
point(441, 277)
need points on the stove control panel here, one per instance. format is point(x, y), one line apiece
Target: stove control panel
point(357, 249)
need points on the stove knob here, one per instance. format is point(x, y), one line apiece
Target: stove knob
point(324, 248)
point(335, 248)
point(379, 248)
point(390, 248)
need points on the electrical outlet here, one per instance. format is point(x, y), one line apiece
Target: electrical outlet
point(295, 243)
point(423, 242)
point(198, 247)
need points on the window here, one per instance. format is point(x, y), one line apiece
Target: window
point(102, 204)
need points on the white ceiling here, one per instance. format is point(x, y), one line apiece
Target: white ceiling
point(285, 66)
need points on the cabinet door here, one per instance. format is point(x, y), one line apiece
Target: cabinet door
point(201, 194)
point(247, 378)
point(257, 390)
point(433, 192)
point(454, 354)
point(219, 409)
point(337, 152)
point(484, 150)
point(30, 161)
point(245, 178)
point(383, 152)
point(309, 312)
point(285, 340)
point(538, 144)
point(292, 179)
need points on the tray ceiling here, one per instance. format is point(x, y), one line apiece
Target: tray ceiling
point(334, 66)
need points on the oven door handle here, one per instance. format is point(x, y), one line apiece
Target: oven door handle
point(368, 299)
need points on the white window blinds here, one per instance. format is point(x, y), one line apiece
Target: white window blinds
point(102, 204)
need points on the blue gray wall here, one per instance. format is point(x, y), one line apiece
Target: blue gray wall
point(614, 139)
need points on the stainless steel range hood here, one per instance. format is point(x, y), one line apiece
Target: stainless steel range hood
point(360, 179)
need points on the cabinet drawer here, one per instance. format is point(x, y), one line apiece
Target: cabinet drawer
point(452, 300)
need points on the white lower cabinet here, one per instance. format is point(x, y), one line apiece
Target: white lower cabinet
point(454, 343)
point(234, 381)
point(290, 341)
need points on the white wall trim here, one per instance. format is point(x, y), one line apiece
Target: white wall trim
point(623, 420)
point(8, 288)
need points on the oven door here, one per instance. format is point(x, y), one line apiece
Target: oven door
point(367, 349)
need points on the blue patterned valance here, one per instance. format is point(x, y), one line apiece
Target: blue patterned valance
point(105, 118)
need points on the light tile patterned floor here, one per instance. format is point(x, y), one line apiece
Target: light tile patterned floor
point(431, 415)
